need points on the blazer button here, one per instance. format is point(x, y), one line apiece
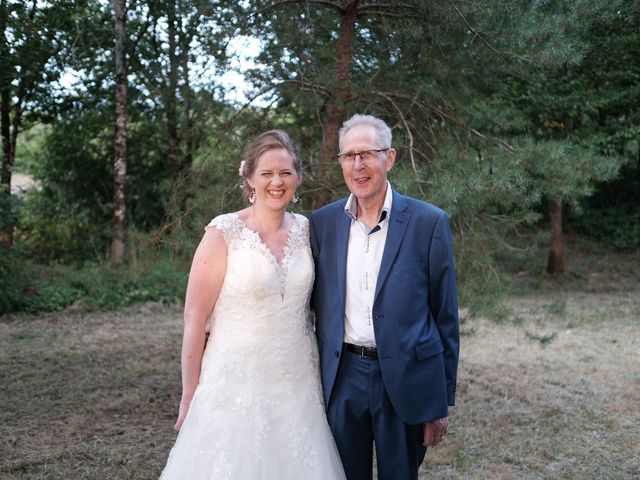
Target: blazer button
point(337, 353)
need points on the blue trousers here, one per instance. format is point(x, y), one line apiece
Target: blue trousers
point(360, 413)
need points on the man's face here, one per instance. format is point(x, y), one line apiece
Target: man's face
point(366, 179)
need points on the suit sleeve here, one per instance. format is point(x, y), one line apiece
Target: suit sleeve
point(443, 300)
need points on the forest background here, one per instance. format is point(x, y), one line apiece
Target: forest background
point(517, 118)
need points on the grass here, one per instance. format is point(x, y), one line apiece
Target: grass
point(546, 390)
point(549, 374)
point(548, 398)
point(88, 396)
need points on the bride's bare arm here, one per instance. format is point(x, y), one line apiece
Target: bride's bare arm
point(205, 280)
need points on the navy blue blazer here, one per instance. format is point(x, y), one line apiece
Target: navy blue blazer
point(415, 310)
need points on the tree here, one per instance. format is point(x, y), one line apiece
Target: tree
point(35, 41)
point(120, 143)
point(443, 74)
point(344, 57)
point(86, 111)
point(587, 103)
point(184, 39)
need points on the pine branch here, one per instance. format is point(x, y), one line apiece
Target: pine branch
point(382, 6)
point(229, 123)
point(309, 86)
point(407, 129)
point(141, 33)
point(386, 14)
point(485, 41)
point(276, 5)
point(381, 10)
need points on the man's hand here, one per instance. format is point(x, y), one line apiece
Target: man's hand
point(435, 431)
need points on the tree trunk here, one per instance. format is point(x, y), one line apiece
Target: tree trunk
point(8, 153)
point(120, 162)
point(187, 101)
point(555, 262)
point(7, 162)
point(172, 92)
point(173, 154)
point(336, 104)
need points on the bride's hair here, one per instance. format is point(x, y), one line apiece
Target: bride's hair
point(271, 140)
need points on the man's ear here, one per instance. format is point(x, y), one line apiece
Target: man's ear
point(391, 158)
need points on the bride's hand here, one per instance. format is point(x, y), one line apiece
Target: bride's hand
point(182, 413)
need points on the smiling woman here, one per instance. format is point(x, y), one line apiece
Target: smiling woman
point(272, 153)
point(256, 385)
point(275, 179)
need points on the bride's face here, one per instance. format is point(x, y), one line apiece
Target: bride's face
point(275, 179)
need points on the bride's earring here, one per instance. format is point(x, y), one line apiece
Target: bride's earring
point(252, 196)
point(295, 198)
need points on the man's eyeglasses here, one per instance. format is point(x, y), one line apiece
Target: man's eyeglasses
point(365, 155)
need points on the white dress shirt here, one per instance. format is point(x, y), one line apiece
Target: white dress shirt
point(364, 255)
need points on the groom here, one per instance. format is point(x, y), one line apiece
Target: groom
point(386, 311)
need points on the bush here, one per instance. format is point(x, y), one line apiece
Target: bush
point(13, 278)
point(32, 288)
point(618, 225)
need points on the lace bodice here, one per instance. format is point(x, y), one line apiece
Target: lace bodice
point(257, 412)
point(276, 293)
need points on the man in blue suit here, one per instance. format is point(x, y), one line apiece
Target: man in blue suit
point(386, 309)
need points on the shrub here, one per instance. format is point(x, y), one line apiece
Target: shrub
point(32, 288)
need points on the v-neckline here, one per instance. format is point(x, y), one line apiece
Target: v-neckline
point(285, 250)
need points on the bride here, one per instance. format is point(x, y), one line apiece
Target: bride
point(251, 404)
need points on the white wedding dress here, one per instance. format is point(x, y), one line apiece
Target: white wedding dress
point(257, 412)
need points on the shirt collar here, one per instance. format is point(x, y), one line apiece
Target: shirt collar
point(351, 207)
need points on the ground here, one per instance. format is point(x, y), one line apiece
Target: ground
point(548, 387)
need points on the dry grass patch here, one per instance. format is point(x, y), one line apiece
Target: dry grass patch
point(549, 392)
point(88, 395)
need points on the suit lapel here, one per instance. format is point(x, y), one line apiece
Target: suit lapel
point(343, 224)
point(398, 221)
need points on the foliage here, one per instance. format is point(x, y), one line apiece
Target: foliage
point(69, 217)
point(9, 210)
point(12, 278)
point(473, 92)
point(619, 226)
point(35, 39)
point(29, 147)
point(29, 287)
point(495, 106)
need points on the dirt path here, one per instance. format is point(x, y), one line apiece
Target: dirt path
point(551, 391)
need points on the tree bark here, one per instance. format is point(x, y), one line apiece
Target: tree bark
point(555, 262)
point(120, 161)
point(172, 91)
point(8, 153)
point(187, 99)
point(8, 156)
point(335, 107)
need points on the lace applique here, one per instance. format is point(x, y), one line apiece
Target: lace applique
point(257, 411)
point(238, 235)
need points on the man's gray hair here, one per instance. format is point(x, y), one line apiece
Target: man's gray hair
point(382, 129)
